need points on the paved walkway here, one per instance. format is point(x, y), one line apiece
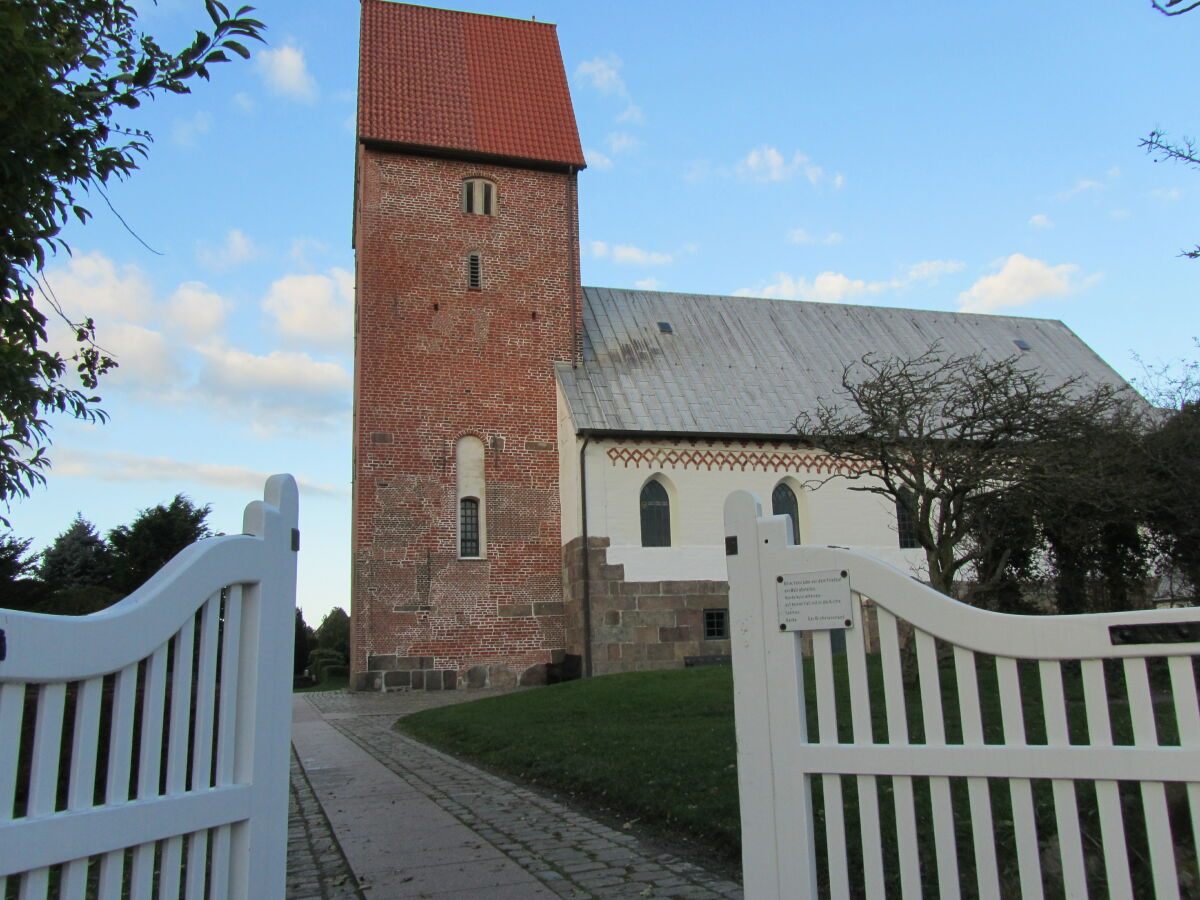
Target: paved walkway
point(377, 815)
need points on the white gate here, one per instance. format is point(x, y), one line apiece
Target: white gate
point(144, 748)
point(953, 751)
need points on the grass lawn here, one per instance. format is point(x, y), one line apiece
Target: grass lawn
point(654, 747)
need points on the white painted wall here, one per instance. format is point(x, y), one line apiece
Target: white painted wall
point(830, 514)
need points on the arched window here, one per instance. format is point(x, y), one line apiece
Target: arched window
point(656, 515)
point(783, 503)
point(472, 493)
point(474, 271)
point(906, 520)
point(479, 196)
point(468, 526)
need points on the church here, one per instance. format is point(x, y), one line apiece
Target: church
point(540, 467)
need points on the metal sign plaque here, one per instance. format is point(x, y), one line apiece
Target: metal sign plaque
point(814, 601)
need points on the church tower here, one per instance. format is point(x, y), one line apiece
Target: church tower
point(467, 258)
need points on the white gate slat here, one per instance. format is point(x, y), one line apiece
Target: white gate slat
point(120, 762)
point(1187, 715)
point(944, 839)
point(835, 822)
point(982, 826)
point(1066, 809)
point(201, 774)
point(81, 787)
point(1108, 796)
point(897, 723)
point(177, 750)
point(12, 713)
point(860, 720)
point(1029, 859)
point(149, 762)
point(1154, 796)
point(43, 772)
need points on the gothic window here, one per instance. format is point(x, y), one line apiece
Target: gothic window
point(906, 520)
point(783, 503)
point(474, 271)
point(656, 515)
point(479, 196)
point(471, 493)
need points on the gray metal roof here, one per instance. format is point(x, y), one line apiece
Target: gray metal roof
point(746, 366)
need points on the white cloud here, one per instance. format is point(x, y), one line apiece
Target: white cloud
point(1082, 186)
point(597, 159)
point(620, 141)
point(237, 249)
point(1168, 195)
point(1041, 220)
point(93, 285)
point(301, 249)
point(185, 131)
point(647, 284)
point(766, 163)
point(315, 308)
point(281, 390)
point(633, 114)
point(636, 256)
point(126, 467)
point(1021, 280)
point(147, 361)
point(197, 312)
point(835, 287)
point(839, 181)
point(244, 102)
point(604, 75)
point(625, 254)
point(286, 72)
point(801, 236)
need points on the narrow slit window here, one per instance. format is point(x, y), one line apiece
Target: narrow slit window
point(474, 271)
point(468, 527)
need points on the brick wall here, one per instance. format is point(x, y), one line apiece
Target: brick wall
point(638, 625)
point(435, 361)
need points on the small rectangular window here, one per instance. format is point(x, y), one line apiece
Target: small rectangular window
point(716, 624)
point(486, 208)
point(474, 272)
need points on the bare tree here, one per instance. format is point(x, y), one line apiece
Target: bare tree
point(1175, 7)
point(946, 437)
point(1185, 152)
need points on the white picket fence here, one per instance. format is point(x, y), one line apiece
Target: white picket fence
point(1022, 757)
point(144, 748)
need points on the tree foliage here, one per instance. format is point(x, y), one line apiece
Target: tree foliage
point(77, 558)
point(977, 448)
point(1175, 7)
point(68, 67)
point(334, 632)
point(140, 549)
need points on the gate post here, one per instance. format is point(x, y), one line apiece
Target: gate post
point(778, 852)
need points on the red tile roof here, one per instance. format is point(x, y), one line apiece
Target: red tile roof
point(451, 81)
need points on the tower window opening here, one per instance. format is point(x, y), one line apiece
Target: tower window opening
point(479, 197)
point(474, 271)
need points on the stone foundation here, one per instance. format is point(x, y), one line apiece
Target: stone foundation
point(638, 625)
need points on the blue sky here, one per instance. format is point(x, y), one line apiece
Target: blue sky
point(966, 156)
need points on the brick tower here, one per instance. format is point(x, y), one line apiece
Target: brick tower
point(467, 257)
